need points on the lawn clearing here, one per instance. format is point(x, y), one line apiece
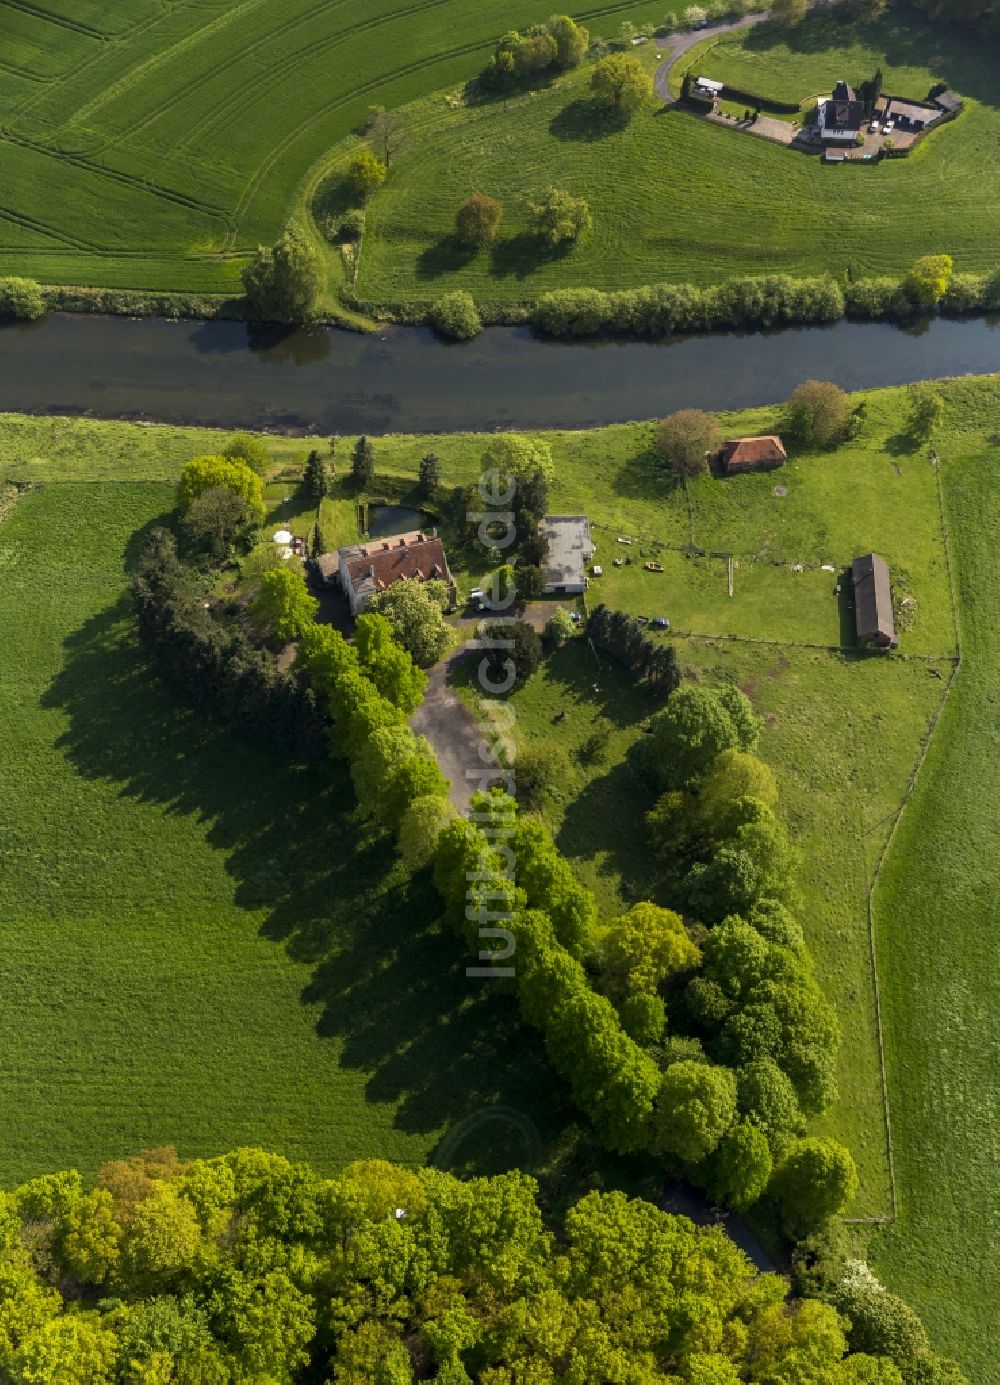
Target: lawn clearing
point(675, 198)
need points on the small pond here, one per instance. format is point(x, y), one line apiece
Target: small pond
point(384, 520)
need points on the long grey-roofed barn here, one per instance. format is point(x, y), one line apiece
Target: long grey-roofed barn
point(873, 602)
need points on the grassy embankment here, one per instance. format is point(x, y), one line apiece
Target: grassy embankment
point(155, 864)
point(676, 198)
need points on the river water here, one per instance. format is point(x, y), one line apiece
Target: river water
point(230, 375)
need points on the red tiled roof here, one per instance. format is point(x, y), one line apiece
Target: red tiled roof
point(753, 451)
point(396, 559)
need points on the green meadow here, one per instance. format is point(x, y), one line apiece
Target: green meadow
point(206, 945)
point(674, 198)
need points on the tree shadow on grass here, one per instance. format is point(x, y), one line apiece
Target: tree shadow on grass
point(388, 980)
point(523, 254)
point(967, 62)
point(646, 476)
point(607, 821)
point(445, 256)
point(587, 120)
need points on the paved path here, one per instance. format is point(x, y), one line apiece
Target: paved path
point(452, 729)
point(679, 44)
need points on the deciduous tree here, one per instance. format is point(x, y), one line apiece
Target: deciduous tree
point(415, 616)
point(558, 218)
point(524, 459)
point(282, 281)
point(478, 219)
point(819, 413)
point(643, 948)
point(388, 133)
point(620, 82)
point(928, 279)
point(215, 518)
point(789, 13)
point(364, 172)
point(695, 1107)
point(21, 298)
point(250, 450)
point(686, 441)
point(205, 473)
point(816, 1180)
point(571, 39)
point(926, 410)
point(284, 605)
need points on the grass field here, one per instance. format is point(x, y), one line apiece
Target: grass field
point(201, 944)
point(195, 948)
point(936, 913)
point(152, 145)
point(676, 198)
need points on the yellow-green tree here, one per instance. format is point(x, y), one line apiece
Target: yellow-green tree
point(203, 473)
point(929, 278)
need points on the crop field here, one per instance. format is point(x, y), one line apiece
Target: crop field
point(153, 143)
point(676, 198)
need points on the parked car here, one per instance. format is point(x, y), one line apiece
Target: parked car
point(660, 623)
point(873, 128)
point(477, 599)
point(888, 127)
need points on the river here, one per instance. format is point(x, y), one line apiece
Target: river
point(230, 375)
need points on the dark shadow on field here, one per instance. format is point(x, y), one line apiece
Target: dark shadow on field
point(388, 981)
point(968, 62)
point(607, 819)
point(845, 610)
point(646, 476)
point(586, 120)
point(444, 257)
point(520, 255)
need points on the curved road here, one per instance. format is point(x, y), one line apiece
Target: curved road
point(679, 44)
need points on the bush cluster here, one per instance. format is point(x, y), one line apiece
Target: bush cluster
point(216, 669)
point(667, 309)
point(21, 298)
point(662, 310)
point(454, 315)
point(520, 58)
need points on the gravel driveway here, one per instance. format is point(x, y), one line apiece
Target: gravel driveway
point(452, 729)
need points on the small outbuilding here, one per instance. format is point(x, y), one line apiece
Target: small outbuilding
point(570, 549)
point(873, 615)
point(753, 454)
point(947, 101)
